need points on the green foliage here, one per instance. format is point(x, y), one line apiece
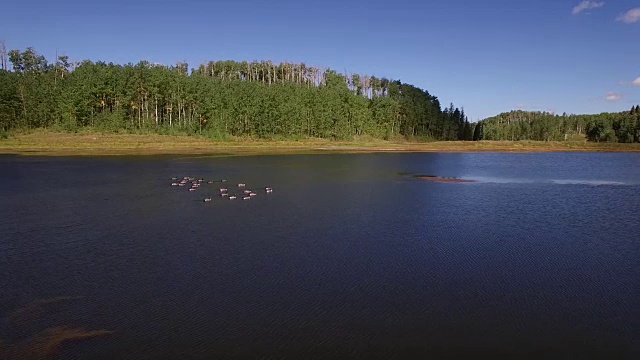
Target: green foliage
point(478, 133)
point(523, 125)
point(218, 100)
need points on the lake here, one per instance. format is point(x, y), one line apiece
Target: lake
point(349, 256)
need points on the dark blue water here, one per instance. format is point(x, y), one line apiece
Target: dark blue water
point(347, 257)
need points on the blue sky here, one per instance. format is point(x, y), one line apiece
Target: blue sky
point(487, 56)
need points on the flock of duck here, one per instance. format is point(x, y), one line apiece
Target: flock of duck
point(194, 184)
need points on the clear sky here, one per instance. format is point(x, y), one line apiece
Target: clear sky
point(487, 56)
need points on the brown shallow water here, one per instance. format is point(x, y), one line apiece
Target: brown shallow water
point(42, 327)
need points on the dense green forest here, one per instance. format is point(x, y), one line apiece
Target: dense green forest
point(217, 99)
point(621, 127)
point(261, 99)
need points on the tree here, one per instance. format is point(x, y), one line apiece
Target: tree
point(468, 131)
point(218, 98)
point(477, 132)
point(3, 56)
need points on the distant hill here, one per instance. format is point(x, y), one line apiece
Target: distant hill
point(621, 127)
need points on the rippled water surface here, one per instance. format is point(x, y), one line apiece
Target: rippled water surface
point(349, 256)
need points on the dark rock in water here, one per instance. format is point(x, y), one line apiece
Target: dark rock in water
point(442, 179)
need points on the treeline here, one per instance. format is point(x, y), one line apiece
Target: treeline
point(218, 99)
point(621, 127)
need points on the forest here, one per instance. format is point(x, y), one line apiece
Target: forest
point(218, 99)
point(262, 99)
point(623, 127)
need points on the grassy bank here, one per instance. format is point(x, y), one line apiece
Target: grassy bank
point(92, 143)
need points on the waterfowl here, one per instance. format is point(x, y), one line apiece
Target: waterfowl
point(252, 194)
point(181, 184)
point(224, 194)
point(210, 182)
point(246, 198)
point(223, 190)
point(247, 191)
point(192, 189)
point(224, 180)
point(232, 197)
point(207, 199)
point(174, 184)
point(242, 185)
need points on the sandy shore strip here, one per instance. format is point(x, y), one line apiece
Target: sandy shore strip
point(96, 144)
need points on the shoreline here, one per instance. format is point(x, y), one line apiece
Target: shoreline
point(46, 143)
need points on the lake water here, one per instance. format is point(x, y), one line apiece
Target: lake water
point(349, 256)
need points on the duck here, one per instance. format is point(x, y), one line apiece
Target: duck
point(224, 194)
point(174, 184)
point(252, 194)
point(224, 180)
point(224, 190)
point(247, 191)
point(246, 198)
point(242, 185)
point(232, 197)
point(192, 189)
point(207, 199)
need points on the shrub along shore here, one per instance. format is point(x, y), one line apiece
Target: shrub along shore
point(44, 142)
